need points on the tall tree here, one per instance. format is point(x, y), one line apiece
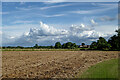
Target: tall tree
point(102, 44)
point(74, 46)
point(58, 45)
point(68, 45)
point(115, 41)
point(36, 46)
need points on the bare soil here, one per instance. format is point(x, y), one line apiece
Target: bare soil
point(50, 64)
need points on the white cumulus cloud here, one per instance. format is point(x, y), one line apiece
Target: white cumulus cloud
point(46, 30)
point(48, 35)
point(93, 22)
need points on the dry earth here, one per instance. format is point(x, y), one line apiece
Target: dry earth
point(50, 64)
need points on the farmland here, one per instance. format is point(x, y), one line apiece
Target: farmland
point(51, 64)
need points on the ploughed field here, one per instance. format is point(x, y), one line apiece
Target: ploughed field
point(50, 64)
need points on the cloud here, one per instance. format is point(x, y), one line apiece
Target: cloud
point(44, 35)
point(84, 31)
point(42, 8)
point(107, 18)
point(79, 28)
point(55, 15)
point(107, 5)
point(22, 22)
point(82, 12)
point(93, 23)
point(6, 39)
point(48, 35)
point(94, 11)
point(60, 0)
point(54, 1)
point(56, 6)
point(51, 2)
point(46, 30)
point(27, 8)
point(3, 13)
point(104, 4)
point(17, 29)
point(21, 3)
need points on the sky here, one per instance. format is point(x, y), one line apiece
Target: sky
point(45, 23)
point(60, 0)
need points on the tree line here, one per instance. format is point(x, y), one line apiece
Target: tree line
point(101, 44)
point(58, 45)
point(112, 44)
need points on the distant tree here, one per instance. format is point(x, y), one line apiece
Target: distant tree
point(68, 45)
point(58, 45)
point(64, 46)
point(3, 47)
point(73, 46)
point(20, 47)
point(93, 45)
point(83, 44)
point(51, 47)
point(8, 46)
point(36, 46)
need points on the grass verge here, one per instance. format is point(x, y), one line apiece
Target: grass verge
point(106, 69)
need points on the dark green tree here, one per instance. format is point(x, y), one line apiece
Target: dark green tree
point(93, 45)
point(83, 44)
point(68, 45)
point(102, 44)
point(36, 46)
point(64, 46)
point(115, 41)
point(51, 47)
point(58, 45)
point(74, 46)
point(20, 47)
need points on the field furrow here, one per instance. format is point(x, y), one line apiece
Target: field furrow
point(50, 64)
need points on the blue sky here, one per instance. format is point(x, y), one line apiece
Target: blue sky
point(60, 0)
point(45, 23)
